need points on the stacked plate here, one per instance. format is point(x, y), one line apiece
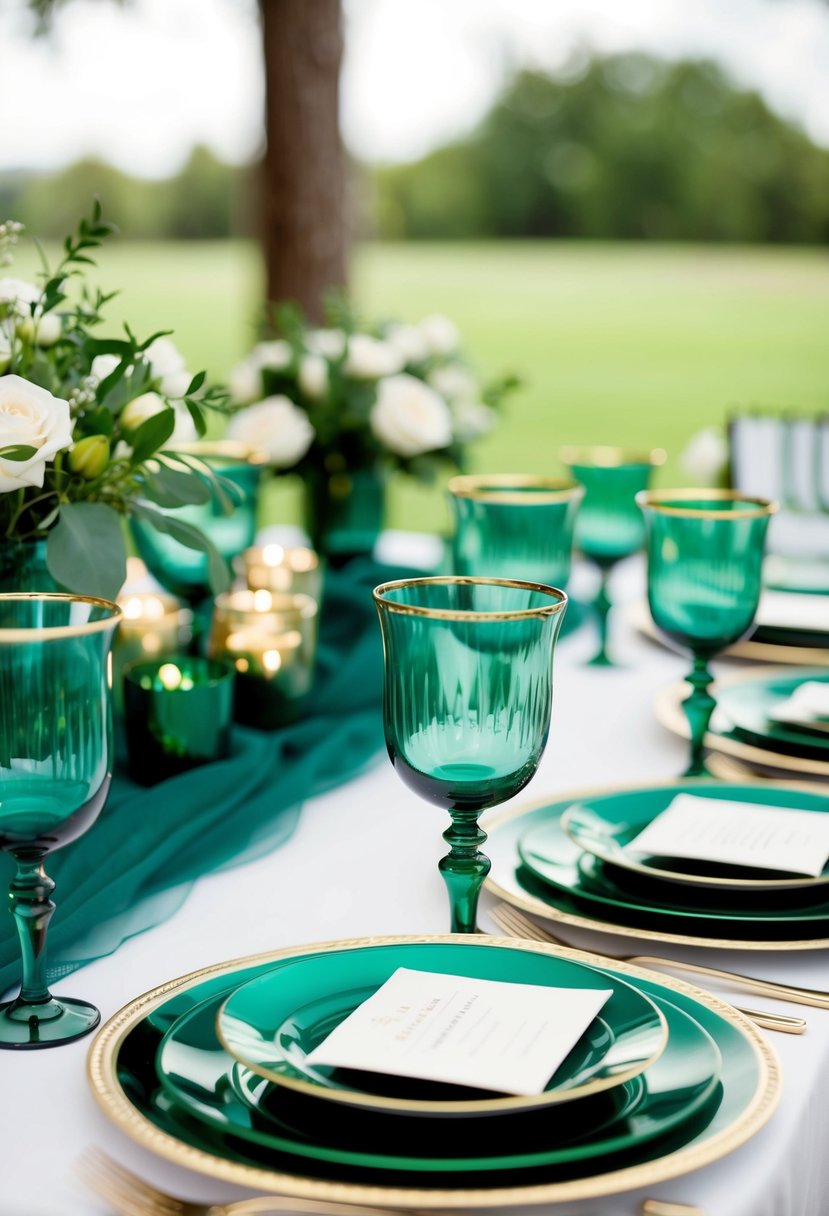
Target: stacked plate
point(567, 860)
point(752, 726)
point(212, 1071)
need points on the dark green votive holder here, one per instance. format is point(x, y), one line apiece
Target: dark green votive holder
point(178, 713)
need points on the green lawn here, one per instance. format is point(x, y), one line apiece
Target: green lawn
point(615, 343)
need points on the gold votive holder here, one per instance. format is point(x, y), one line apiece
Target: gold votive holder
point(271, 639)
point(276, 568)
point(151, 626)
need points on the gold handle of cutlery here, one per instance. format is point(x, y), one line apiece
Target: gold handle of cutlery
point(661, 1207)
point(275, 1205)
point(773, 1021)
point(783, 992)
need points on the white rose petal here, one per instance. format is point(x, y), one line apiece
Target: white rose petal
point(471, 419)
point(276, 427)
point(409, 342)
point(275, 356)
point(42, 329)
point(454, 382)
point(184, 430)
point(140, 409)
point(409, 417)
point(245, 382)
point(704, 458)
point(327, 342)
point(313, 376)
point(168, 367)
point(32, 416)
point(368, 358)
point(17, 296)
point(103, 366)
point(440, 334)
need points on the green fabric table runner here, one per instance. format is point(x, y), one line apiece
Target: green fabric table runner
point(135, 866)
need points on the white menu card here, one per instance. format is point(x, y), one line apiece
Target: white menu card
point(738, 833)
point(486, 1034)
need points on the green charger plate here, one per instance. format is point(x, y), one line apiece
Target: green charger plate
point(748, 703)
point(208, 1083)
point(271, 1025)
point(125, 1084)
point(583, 896)
point(605, 826)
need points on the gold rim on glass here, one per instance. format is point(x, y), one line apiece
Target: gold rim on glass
point(102, 1074)
point(545, 911)
point(664, 502)
point(41, 633)
point(524, 489)
point(459, 614)
point(603, 456)
point(513, 1102)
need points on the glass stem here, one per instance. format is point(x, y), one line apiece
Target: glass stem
point(464, 869)
point(698, 706)
point(602, 604)
point(31, 906)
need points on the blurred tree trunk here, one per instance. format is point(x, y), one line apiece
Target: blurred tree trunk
point(303, 188)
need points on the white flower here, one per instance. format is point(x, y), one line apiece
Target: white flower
point(454, 382)
point(471, 419)
point(409, 417)
point(32, 416)
point(368, 358)
point(275, 356)
point(168, 367)
point(42, 329)
point(17, 296)
point(409, 342)
point(441, 334)
point(140, 409)
point(245, 381)
point(184, 430)
point(328, 342)
point(5, 350)
point(103, 366)
point(276, 427)
point(313, 376)
point(704, 457)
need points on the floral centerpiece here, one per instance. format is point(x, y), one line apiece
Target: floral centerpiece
point(343, 405)
point(86, 421)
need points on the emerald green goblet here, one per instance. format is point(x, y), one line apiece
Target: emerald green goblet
point(466, 706)
point(514, 526)
point(55, 769)
point(705, 555)
point(609, 525)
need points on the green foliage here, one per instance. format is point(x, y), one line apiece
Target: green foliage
point(85, 549)
point(631, 147)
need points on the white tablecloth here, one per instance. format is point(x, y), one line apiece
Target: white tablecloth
point(363, 862)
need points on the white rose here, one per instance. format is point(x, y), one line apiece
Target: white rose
point(184, 430)
point(368, 358)
point(409, 417)
point(17, 296)
point(168, 367)
point(42, 329)
point(471, 419)
point(454, 382)
point(276, 427)
point(704, 457)
point(32, 416)
point(245, 381)
point(328, 342)
point(5, 350)
point(313, 376)
point(409, 342)
point(275, 356)
point(440, 334)
point(103, 366)
point(140, 409)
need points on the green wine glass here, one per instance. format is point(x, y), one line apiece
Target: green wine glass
point(609, 525)
point(55, 768)
point(705, 556)
point(466, 705)
point(514, 526)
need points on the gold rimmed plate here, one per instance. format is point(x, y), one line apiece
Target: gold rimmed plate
point(124, 1084)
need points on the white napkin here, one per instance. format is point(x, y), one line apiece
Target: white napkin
point(809, 704)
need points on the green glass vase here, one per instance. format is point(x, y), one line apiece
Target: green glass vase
point(466, 704)
point(705, 556)
point(23, 567)
point(514, 526)
point(183, 571)
point(609, 525)
point(344, 510)
point(55, 769)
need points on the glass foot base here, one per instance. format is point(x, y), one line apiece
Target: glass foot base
point(602, 659)
point(25, 1027)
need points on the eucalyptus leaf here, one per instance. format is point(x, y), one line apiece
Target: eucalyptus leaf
point(190, 536)
point(18, 451)
point(152, 435)
point(180, 488)
point(85, 550)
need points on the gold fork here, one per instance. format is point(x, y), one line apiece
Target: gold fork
point(131, 1196)
point(661, 1207)
point(515, 924)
